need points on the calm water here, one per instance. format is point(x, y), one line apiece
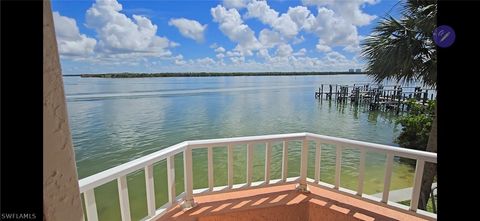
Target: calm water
point(114, 121)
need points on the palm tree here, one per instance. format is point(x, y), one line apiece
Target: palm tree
point(403, 50)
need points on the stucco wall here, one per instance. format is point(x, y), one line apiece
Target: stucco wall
point(61, 198)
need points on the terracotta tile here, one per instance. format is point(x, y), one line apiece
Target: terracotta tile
point(284, 203)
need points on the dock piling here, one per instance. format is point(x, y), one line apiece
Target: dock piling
point(389, 97)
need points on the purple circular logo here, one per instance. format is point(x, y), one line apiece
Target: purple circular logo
point(444, 36)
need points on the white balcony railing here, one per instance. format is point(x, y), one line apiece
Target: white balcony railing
point(120, 172)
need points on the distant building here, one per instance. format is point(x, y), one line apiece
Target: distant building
point(358, 70)
point(350, 70)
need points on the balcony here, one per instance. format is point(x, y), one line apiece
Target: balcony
point(287, 198)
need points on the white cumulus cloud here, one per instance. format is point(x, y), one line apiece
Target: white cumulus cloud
point(231, 24)
point(263, 53)
point(301, 52)
point(238, 60)
point(281, 23)
point(349, 10)
point(299, 15)
point(284, 50)
point(220, 50)
point(189, 28)
point(269, 38)
point(120, 34)
point(238, 4)
point(205, 61)
point(220, 55)
point(262, 11)
point(321, 46)
point(332, 30)
point(70, 41)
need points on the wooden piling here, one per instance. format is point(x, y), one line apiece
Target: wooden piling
point(321, 95)
point(330, 93)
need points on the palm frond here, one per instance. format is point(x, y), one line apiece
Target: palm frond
point(403, 49)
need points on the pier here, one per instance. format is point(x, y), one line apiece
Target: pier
point(377, 96)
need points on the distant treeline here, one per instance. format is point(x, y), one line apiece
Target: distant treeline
point(210, 74)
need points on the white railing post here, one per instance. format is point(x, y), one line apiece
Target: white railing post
point(417, 185)
point(210, 168)
point(188, 178)
point(388, 177)
point(285, 161)
point(171, 179)
point(230, 165)
point(120, 173)
point(90, 205)
point(268, 161)
point(150, 190)
point(123, 197)
point(302, 183)
point(249, 164)
point(361, 171)
point(318, 156)
point(338, 165)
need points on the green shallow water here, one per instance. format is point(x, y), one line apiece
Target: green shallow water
point(114, 121)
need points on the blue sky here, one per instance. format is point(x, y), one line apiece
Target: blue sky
point(100, 36)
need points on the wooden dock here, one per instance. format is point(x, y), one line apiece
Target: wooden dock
point(377, 96)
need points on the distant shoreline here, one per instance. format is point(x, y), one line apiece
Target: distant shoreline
point(208, 74)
